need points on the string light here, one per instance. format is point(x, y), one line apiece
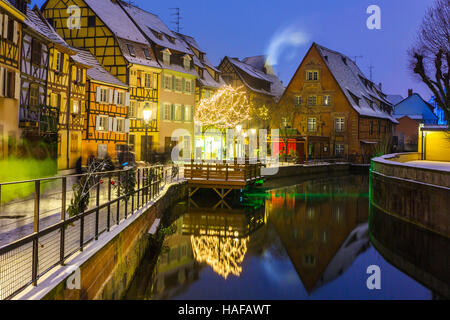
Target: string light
point(227, 108)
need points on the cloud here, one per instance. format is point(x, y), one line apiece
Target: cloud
point(283, 40)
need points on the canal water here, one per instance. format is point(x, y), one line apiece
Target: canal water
point(292, 240)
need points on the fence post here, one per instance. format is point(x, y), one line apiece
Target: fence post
point(97, 203)
point(118, 196)
point(108, 218)
point(82, 232)
point(35, 262)
point(138, 186)
point(63, 218)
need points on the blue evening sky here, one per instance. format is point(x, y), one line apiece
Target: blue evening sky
point(241, 28)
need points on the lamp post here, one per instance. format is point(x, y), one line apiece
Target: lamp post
point(147, 117)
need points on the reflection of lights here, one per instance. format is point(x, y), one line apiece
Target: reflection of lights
point(223, 254)
point(253, 131)
point(238, 128)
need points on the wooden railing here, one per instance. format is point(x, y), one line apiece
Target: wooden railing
point(247, 172)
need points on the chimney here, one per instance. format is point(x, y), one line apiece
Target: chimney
point(410, 92)
point(380, 85)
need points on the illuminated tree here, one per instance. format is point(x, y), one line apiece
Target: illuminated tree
point(227, 108)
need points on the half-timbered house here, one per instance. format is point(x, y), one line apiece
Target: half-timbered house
point(38, 121)
point(12, 17)
point(106, 122)
point(341, 113)
point(110, 35)
point(178, 78)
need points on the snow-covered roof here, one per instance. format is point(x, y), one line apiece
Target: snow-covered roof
point(353, 82)
point(39, 24)
point(394, 98)
point(415, 105)
point(116, 19)
point(255, 68)
point(153, 27)
point(97, 72)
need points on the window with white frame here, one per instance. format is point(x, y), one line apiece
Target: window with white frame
point(59, 61)
point(102, 123)
point(132, 112)
point(104, 95)
point(188, 86)
point(340, 124)
point(147, 80)
point(179, 84)
point(312, 124)
point(312, 100)
point(167, 82)
point(120, 125)
point(188, 113)
point(187, 63)
point(121, 98)
point(166, 57)
point(167, 109)
point(340, 149)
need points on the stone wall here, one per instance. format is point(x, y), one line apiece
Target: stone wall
point(301, 170)
point(107, 274)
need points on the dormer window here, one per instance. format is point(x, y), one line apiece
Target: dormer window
point(156, 34)
point(187, 62)
point(200, 73)
point(147, 54)
point(166, 56)
point(201, 56)
point(131, 50)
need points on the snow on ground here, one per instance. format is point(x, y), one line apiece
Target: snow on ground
point(433, 165)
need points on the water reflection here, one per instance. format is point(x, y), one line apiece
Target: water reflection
point(307, 240)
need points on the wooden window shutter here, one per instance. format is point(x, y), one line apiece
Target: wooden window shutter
point(183, 113)
point(127, 125)
point(127, 99)
point(97, 123)
point(116, 97)
point(184, 85)
point(174, 85)
point(172, 112)
point(2, 82)
point(5, 26)
point(16, 30)
point(65, 65)
point(110, 124)
point(163, 83)
point(192, 114)
point(99, 94)
point(110, 96)
point(192, 86)
point(1, 24)
point(17, 85)
point(114, 126)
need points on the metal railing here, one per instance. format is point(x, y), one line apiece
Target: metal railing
point(50, 239)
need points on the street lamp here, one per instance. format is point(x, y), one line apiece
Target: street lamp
point(147, 117)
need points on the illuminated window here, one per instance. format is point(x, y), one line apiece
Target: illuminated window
point(166, 57)
point(102, 123)
point(178, 113)
point(340, 149)
point(188, 110)
point(167, 108)
point(121, 98)
point(104, 97)
point(76, 107)
point(148, 80)
point(167, 82)
point(132, 112)
point(298, 100)
point(59, 61)
point(327, 100)
point(120, 125)
point(340, 124)
point(312, 125)
point(309, 260)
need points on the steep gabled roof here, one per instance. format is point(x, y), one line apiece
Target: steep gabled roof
point(353, 82)
point(153, 27)
point(116, 20)
point(416, 108)
point(97, 72)
point(39, 24)
point(276, 87)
